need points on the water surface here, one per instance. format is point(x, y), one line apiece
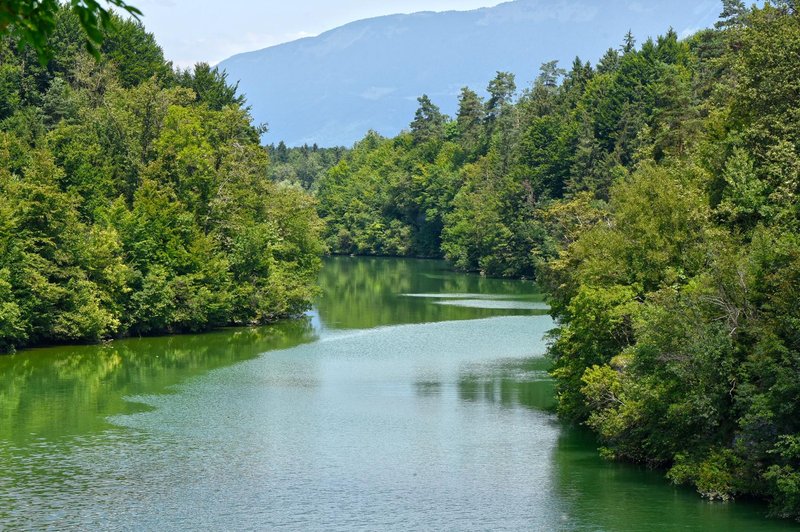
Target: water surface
point(410, 398)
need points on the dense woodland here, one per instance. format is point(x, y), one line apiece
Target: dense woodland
point(655, 195)
point(133, 197)
point(301, 166)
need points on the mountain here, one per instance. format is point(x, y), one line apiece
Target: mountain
point(332, 88)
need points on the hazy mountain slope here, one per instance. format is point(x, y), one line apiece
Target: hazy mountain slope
point(332, 88)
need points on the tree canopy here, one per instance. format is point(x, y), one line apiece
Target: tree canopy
point(655, 196)
point(134, 199)
point(33, 22)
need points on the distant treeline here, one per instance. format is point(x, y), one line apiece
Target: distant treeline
point(133, 197)
point(301, 165)
point(655, 195)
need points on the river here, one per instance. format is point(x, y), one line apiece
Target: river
point(410, 398)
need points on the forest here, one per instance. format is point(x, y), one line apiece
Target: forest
point(655, 196)
point(652, 194)
point(133, 198)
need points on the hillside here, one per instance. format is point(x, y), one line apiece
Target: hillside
point(332, 88)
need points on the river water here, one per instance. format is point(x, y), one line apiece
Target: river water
point(410, 398)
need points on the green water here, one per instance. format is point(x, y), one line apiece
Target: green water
point(410, 398)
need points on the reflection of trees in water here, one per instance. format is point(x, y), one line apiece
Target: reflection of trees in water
point(606, 495)
point(364, 292)
point(70, 390)
point(598, 494)
point(511, 383)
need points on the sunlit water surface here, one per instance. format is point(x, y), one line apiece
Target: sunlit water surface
point(410, 398)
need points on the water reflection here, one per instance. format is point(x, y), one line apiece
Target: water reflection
point(603, 495)
point(52, 392)
point(596, 494)
point(426, 422)
point(428, 388)
point(509, 383)
point(361, 293)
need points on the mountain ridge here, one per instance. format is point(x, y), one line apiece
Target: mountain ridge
point(366, 74)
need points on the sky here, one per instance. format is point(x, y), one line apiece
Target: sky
point(190, 31)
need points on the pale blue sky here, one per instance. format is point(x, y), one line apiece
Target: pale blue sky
point(210, 30)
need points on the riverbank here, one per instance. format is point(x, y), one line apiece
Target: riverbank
point(411, 396)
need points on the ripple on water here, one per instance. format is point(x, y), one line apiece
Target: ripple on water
point(364, 431)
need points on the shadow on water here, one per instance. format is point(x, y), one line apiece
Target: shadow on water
point(61, 391)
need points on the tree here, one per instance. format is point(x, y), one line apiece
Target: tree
point(788, 7)
point(609, 62)
point(470, 120)
point(628, 43)
point(211, 86)
point(577, 78)
point(135, 53)
point(34, 21)
point(502, 90)
point(127, 206)
point(732, 15)
point(428, 121)
point(549, 74)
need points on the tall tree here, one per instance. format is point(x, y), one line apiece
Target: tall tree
point(609, 62)
point(501, 91)
point(549, 74)
point(470, 120)
point(211, 86)
point(428, 121)
point(628, 43)
point(732, 15)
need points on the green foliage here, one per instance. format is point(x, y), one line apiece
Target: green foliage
point(714, 476)
point(428, 121)
point(501, 93)
point(389, 197)
point(656, 197)
point(135, 53)
point(34, 21)
point(469, 121)
point(210, 86)
point(476, 189)
point(679, 335)
point(301, 166)
point(599, 329)
point(784, 478)
point(129, 206)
